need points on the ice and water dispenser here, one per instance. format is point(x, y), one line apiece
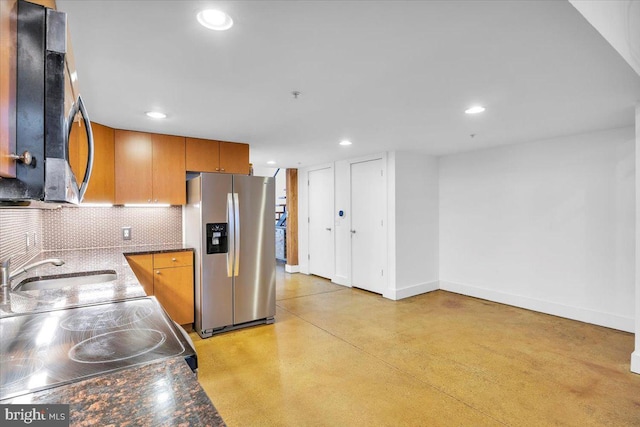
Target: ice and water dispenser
point(217, 239)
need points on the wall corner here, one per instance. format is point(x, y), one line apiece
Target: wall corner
point(635, 362)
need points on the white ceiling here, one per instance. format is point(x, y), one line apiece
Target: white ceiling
point(388, 75)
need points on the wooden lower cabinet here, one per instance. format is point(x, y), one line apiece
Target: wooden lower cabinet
point(174, 289)
point(169, 277)
point(142, 266)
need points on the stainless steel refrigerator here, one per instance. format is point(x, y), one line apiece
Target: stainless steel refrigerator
point(229, 221)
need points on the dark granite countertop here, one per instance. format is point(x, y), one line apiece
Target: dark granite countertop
point(80, 261)
point(163, 393)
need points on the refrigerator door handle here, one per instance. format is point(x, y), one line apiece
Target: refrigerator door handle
point(236, 234)
point(231, 233)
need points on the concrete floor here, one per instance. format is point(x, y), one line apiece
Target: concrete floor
point(345, 357)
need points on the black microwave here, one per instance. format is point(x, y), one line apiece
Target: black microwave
point(43, 120)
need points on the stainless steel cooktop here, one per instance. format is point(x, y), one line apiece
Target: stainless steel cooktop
point(43, 350)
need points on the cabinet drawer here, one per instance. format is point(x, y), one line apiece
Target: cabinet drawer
point(173, 259)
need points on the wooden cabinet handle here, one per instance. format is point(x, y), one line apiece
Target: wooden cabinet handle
point(173, 259)
point(157, 271)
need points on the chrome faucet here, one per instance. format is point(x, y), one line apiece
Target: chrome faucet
point(6, 274)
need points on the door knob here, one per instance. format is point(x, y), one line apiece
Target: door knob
point(353, 231)
point(328, 228)
point(25, 158)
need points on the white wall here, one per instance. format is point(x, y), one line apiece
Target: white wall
point(280, 183)
point(342, 180)
point(412, 221)
point(635, 357)
point(413, 224)
point(547, 225)
point(618, 22)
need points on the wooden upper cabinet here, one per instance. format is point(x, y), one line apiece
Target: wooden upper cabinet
point(8, 54)
point(102, 186)
point(133, 166)
point(149, 168)
point(234, 158)
point(205, 155)
point(102, 183)
point(202, 155)
point(169, 174)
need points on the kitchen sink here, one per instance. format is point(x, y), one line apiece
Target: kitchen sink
point(63, 280)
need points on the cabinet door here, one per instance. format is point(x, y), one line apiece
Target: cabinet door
point(169, 174)
point(202, 155)
point(102, 183)
point(234, 158)
point(133, 167)
point(173, 287)
point(8, 53)
point(142, 266)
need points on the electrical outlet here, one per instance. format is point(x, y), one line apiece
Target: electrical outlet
point(126, 233)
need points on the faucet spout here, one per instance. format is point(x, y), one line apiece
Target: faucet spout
point(55, 261)
point(6, 274)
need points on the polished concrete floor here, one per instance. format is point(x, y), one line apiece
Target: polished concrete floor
point(345, 357)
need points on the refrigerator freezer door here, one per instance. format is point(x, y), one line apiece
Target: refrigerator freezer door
point(215, 302)
point(255, 281)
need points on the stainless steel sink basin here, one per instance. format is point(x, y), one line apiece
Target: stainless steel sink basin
point(60, 281)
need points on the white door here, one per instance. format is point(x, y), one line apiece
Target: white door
point(368, 241)
point(321, 222)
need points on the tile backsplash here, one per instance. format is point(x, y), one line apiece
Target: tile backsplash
point(101, 227)
point(83, 228)
point(16, 226)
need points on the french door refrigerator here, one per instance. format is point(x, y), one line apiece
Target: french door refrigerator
point(229, 221)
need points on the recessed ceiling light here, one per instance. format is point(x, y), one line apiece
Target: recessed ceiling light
point(271, 162)
point(345, 142)
point(474, 110)
point(214, 19)
point(156, 115)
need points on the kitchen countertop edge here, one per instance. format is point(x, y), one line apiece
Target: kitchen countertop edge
point(157, 393)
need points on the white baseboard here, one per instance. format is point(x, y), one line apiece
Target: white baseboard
point(341, 280)
point(635, 362)
point(291, 268)
point(600, 318)
point(420, 288)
